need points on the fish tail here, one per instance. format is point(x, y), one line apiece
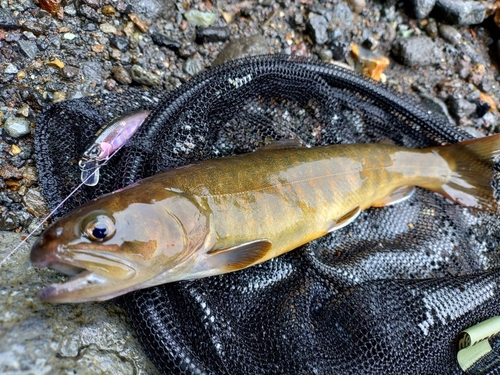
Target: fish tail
point(471, 178)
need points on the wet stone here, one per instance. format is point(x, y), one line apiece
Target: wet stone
point(17, 127)
point(35, 203)
point(476, 74)
point(317, 29)
point(187, 51)
point(30, 49)
point(419, 51)
point(110, 84)
point(342, 15)
point(143, 77)
point(202, 19)
point(243, 47)
point(121, 75)
point(34, 28)
point(120, 42)
point(8, 221)
point(70, 71)
point(192, 66)
point(357, 5)
point(422, 8)
point(460, 107)
point(162, 40)
point(450, 34)
point(8, 172)
point(7, 21)
point(466, 12)
point(92, 72)
point(89, 13)
point(325, 54)
point(211, 34)
point(11, 69)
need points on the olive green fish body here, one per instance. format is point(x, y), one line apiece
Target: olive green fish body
point(226, 214)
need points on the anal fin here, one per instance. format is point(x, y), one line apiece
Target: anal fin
point(348, 218)
point(240, 256)
point(400, 194)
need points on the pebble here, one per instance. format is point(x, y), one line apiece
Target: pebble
point(417, 51)
point(357, 5)
point(89, 13)
point(450, 34)
point(69, 36)
point(7, 22)
point(70, 71)
point(24, 110)
point(242, 47)
point(92, 71)
point(143, 77)
point(369, 63)
point(55, 63)
point(108, 10)
point(121, 75)
point(198, 18)
point(422, 8)
point(162, 40)
point(107, 28)
point(35, 28)
point(8, 172)
point(120, 42)
point(35, 203)
point(325, 54)
point(9, 221)
point(460, 107)
point(342, 15)
point(192, 66)
point(211, 34)
point(317, 29)
point(110, 84)
point(17, 127)
point(141, 25)
point(30, 49)
point(11, 69)
point(463, 66)
point(476, 74)
point(464, 12)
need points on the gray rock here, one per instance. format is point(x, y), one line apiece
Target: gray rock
point(70, 71)
point(419, 50)
point(211, 34)
point(162, 40)
point(422, 8)
point(92, 72)
point(464, 12)
point(121, 75)
point(202, 19)
point(142, 76)
point(342, 15)
point(242, 47)
point(44, 338)
point(7, 22)
point(450, 34)
point(436, 105)
point(8, 220)
point(463, 67)
point(120, 42)
point(11, 69)
point(30, 49)
point(325, 54)
point(17, 127)
point(192, 66)
point(460, 107)
point(317, 29)
point(35, 203)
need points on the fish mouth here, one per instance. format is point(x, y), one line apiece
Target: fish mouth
point(94, 275)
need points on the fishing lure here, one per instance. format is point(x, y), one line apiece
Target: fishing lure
point(109, 139)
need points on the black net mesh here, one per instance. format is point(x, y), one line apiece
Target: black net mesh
point(386, 294)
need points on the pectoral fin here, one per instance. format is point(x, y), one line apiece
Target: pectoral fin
point(348, 218)
point(400, 194)
point(240, 256)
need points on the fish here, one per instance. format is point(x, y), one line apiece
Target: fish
point(109, 139)
point(226, 214)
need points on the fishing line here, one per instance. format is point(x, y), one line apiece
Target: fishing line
point(57, 207)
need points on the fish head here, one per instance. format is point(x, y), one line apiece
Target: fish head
point(120, 243)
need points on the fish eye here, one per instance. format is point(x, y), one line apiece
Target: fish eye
point(99, 228)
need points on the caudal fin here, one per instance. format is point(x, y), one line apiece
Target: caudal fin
point(471, 180)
